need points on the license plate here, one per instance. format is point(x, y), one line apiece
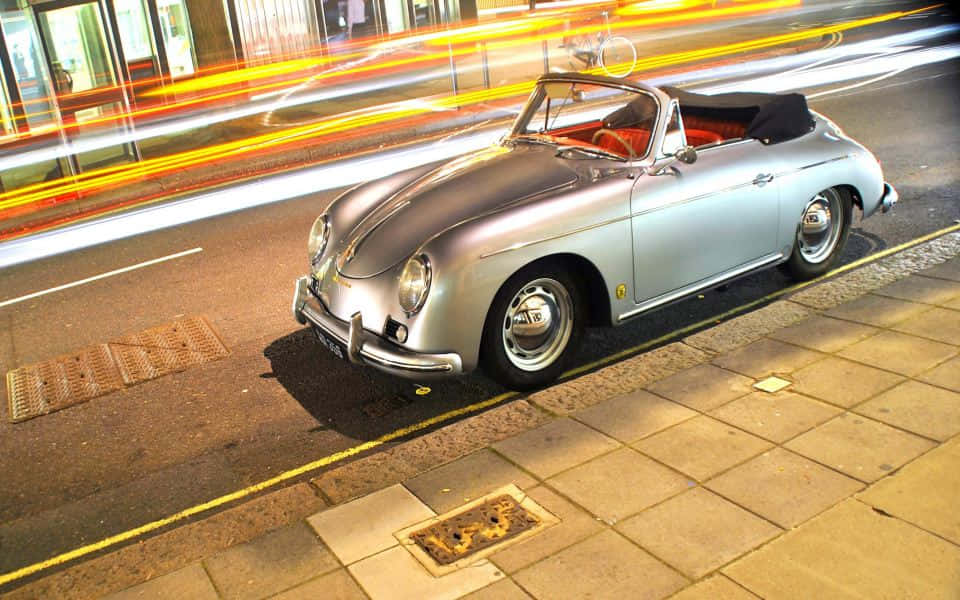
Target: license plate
point(330, 344)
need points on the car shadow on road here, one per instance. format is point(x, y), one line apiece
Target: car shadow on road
point(361, 402)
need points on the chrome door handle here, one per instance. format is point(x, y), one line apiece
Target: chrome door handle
point(762, 179)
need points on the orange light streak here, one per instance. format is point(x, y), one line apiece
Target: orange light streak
point(111, 176)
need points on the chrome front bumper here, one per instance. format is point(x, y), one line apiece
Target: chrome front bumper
point(889, 197)
point(366, 347)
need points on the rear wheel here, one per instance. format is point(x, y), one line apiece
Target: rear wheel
point(618, 57)
point(534, 325)
point(821, 234)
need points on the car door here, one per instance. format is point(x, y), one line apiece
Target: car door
point(697, 223)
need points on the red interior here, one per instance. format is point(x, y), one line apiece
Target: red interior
point(700, 132)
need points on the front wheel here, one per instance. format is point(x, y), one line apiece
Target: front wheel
point(618, 56)
point(821, 234)
point(534, 325)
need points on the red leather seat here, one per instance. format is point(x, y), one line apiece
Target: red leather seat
point(637, 138)
point(701, 137)
point(727, 129)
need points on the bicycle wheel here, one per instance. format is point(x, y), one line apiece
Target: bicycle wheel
point(618, 57)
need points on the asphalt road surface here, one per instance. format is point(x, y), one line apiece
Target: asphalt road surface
point(280, 400)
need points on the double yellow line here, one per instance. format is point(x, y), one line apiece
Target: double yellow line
point(437, 420)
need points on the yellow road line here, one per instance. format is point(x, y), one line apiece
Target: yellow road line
point(399, 433)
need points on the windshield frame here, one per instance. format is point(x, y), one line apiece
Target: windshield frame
point(539, 95)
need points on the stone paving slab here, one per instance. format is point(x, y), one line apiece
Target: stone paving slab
point(717, 587)
point(851, 551)
point(634, 416)
point(395, 574)
point(337, 585)
point(904, 354)
point(924, 493)
point(365, 526)
point(879, 311)
point(923, 409)
point(938, 324)
point(703, 387)
point(619, 484)
point(697, 531)
point(945, 375)
point(842, 382)
point(702, 447)
point(622, 571)
point(504, 589)
point(860, 447)
point(188, 582)
point(784, 488)
point(556, 446)
point(270, 564)
point(466, 479)
point(767, 357)
point(775, 417)
point(947, 270)
point(917, 288)
point(824, 334)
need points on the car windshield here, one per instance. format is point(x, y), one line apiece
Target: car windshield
point(594, 119)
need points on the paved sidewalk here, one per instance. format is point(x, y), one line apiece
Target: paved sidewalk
point(668, 473)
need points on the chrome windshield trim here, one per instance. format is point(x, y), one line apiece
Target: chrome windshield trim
point(698, 286)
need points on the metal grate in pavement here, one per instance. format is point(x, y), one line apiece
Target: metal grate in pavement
point(475, 529)
point(60, 382)
point(166, 349)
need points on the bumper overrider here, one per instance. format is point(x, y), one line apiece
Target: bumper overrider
point(365, 347)
point(888, 198)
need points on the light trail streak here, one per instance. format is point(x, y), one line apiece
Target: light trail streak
point(113, 176)
point(458, 36)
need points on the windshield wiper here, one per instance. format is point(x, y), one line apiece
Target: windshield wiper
point(535, 138)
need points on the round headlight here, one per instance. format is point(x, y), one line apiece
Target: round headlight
point(414, 284)
point(319, 234)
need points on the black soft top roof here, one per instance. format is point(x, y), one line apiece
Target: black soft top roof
point(771, 118)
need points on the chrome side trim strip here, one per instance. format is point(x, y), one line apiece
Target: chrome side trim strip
point(812, 165)
point(700, 285)
point(520, 245)
point(694, 198)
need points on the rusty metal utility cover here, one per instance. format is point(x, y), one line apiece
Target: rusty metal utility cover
point(166, 349)
point(474, 529)
point(54, 384)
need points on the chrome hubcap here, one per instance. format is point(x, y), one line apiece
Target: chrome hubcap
point(538, 324)
point(820, 226)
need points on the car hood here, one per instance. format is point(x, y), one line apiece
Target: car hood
point(461, 189)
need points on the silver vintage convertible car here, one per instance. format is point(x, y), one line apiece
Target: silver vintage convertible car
point(605, 200)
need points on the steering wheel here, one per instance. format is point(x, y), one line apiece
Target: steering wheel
point(604, 131)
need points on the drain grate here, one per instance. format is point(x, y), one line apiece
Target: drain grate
point(54, 384)
point(166, 349)
point(474, 529)
point(48, 386)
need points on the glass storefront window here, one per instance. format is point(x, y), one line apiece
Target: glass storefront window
point(78, 48)
point(29, 70)
point(6, 113)
point(177, 37)
point(277, 29)
point(133, 30)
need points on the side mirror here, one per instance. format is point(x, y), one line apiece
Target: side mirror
point(686, 154)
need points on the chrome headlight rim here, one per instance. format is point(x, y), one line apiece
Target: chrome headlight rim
point(424, 262)
point(318, 238)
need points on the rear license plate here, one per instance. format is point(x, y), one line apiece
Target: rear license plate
point(338, 349)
